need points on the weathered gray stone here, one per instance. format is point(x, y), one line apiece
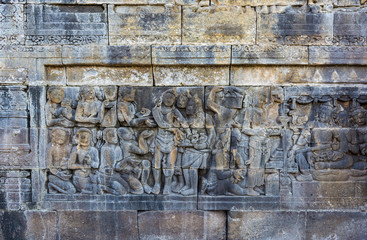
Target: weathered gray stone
point(191, 55)
point(295, 28)
point(12, 22)
point(266, 225)
point(40, 225)
point(219, 25)
point(259, 3)
point(144, 24)
point(336, 225)
point(190, 76)
point(265, 54)
point(350, 28)
point(66, 24)
point(351, 55)
point(97, 225)
point(134, 55)
point(136, 76)
point(260, 75)
point(346, 3)
point(182, 225)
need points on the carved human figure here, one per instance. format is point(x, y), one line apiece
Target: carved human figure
point(357, 136)
point(58, 154)
point(89, 111)
point(58, 109)
point(325, 142)
point(109, 180)
point(84, 160)
point(194, 157)
point(126, 110)
point(109, 117)
point(169, 120)
point(132, 168)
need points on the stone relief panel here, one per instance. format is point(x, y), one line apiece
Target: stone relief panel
point(214, 141)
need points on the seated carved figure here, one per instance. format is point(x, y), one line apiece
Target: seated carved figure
point(58, 109)
point(126, 110)
point(131, 167)
point(110, 181)
point(58, 154)
point(89, 110)
point(84, 160)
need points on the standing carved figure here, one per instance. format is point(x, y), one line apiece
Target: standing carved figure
point(58, 154)
point(109, 117)
point(169, 119)
point(84, 160)
point(58, 109)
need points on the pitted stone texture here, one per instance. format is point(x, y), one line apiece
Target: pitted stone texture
point(266, 225)
point(351, 55)
point(347, 3)
point(259, 75)
point(144, 24)
point(128, 2)
point(136, 76)
point(350, 28)
point(259, 2)
point(182, 225)
point(336, 225)
point(191, 55)
point(190, 76)
point(269, 54)
point(295, 28)
point(135, 55)
point(52, 1)
point(82, 225)
point(12, 21)
point(219, 24)
point(66, 24)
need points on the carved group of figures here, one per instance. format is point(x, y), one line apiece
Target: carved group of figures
point(216, 140)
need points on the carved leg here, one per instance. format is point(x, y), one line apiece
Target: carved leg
point(145, 176)
point(193, 176)
point(168, 173)
point(157, 181)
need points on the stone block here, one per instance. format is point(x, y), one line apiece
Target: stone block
point(295, 28)
point(336, 225)
point(215, 203)
point(260, 75)
point(191, 55)
point(144, 24)
point(40, 225)
point(11, 24)
point(268, 54)
point(52, 1)
point(219, 24)
point(350, 28)
point(324, 189)
point(350, 55)
point(182, 225)
point(55, 75)
point(135, 76)
point(189, 76)
point(266, 225)
point(259, 2)
point(97, 225)
point(134, 55)
point(66, 24)
point(346, 3)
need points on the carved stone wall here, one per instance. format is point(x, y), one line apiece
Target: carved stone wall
point(183, 119)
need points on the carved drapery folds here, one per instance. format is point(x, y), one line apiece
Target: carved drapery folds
point(244, 141)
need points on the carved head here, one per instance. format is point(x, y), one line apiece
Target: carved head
point(59, 136)
point(126, 134)
point(277, 94)
point(55, 94)
point(88, 93)
point(169, 98)
point(83, 137)
point(110, 93)
point(358, 115)
point(127, 94)
point(183, 98)
point(194, 105)
point(110, 135)
point(325, 113)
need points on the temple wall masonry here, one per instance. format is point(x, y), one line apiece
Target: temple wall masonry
point(183, 119)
